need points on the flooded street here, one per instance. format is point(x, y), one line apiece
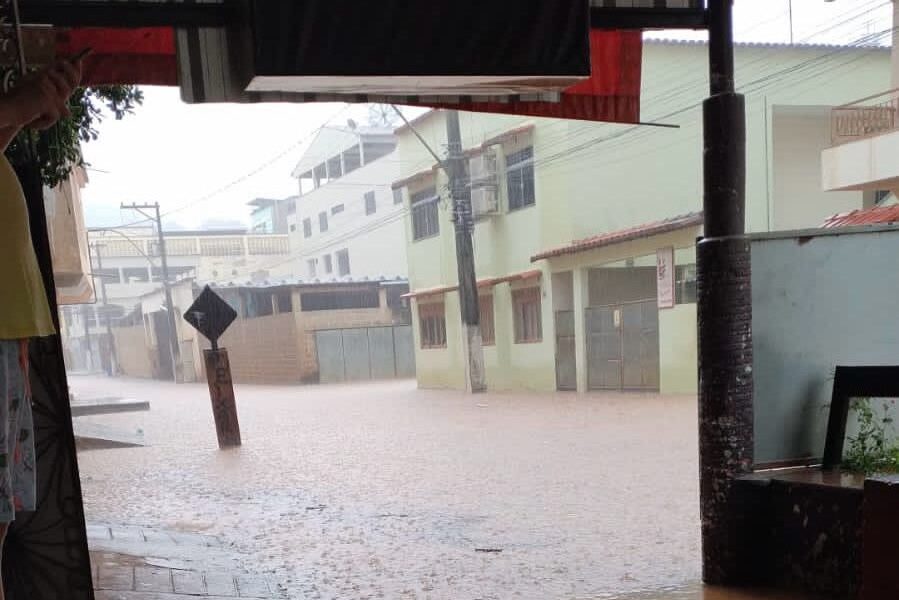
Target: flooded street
point(385, 491)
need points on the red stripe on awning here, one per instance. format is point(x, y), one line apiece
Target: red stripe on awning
point(133, 56)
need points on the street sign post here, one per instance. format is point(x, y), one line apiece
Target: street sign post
point(211, 316)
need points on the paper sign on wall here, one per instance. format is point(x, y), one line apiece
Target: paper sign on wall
point(665, 277)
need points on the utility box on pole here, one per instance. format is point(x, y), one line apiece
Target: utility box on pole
point(211, 316)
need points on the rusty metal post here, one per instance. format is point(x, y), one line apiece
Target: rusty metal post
point(221, 391)
point(724, 308)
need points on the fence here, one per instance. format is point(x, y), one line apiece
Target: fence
point(866, 117)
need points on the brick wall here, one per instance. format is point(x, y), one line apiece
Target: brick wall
point(264, 350)
point(132, 352)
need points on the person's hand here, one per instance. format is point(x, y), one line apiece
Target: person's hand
point(44, 95)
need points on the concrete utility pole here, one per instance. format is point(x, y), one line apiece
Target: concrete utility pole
point(475, 380)
point(166, 286)
point(110, 349)
point(725, 315)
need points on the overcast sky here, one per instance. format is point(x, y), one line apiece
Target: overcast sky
point(188, 157)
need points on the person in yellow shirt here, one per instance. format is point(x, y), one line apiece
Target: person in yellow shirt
point(37, 101)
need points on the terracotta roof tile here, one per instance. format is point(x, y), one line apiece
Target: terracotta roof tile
point(623, 235)
point(870, 216)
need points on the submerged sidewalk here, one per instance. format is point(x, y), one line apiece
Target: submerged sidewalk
point(134, 563)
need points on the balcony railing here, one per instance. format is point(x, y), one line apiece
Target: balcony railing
point(865, 118)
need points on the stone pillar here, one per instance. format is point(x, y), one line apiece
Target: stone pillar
point(580, 290)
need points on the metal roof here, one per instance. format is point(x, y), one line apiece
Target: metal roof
point(623, 235)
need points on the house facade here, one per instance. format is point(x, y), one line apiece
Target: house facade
point(585, 233)
point(348, 224)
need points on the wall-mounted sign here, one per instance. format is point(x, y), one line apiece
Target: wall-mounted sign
point(665, 277)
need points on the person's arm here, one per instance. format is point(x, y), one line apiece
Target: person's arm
point(39, 100)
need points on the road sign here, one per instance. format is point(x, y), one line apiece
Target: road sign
point(210, 315)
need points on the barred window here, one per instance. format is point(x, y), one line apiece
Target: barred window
point(425, 214)
point(323, 221)
point(432, 325)
point(528, 318)
point(520, 178)
point(307, 228)
point(488, 329)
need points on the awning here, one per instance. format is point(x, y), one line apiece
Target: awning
point(623, 235)
point(139, 56)
point(482, 283)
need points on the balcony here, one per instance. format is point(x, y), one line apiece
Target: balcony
point(864, 152)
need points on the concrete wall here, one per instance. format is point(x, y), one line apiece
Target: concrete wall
point(265, 350)
point(677, 350)
point(132, 352)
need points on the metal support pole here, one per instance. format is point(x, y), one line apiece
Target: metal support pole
point(726, 434)
point(475, 380)
point(110, 345)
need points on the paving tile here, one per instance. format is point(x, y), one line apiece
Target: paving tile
point(189, 582)
point(114, 577)
point(221, 584)
point(152, 579)
point(250, 586)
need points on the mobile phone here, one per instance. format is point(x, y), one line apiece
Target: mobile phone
point(81, 54)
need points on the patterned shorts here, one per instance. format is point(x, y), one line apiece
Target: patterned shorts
point(17, 460)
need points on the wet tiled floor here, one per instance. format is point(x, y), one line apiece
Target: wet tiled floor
point(385, 491)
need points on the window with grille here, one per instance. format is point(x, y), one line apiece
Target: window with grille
point(432, 325)
point(371, 204)
point(425, 214)
point(398, 196)
point(520, 179)
point(343, 262)
point(488, 330)
point(329, 265)
point(323, 222)
point(685, 284)
point(307, 228)
point(528, 318)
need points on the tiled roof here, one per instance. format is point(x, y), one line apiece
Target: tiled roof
point(623, 235)
point(869, 216)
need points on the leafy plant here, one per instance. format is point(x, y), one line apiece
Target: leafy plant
point(874, 449)
point(59, 147)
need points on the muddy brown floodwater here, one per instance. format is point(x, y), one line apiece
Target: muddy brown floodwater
point(381, 490)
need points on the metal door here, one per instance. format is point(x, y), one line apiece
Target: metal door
point(566, 369)
point(381, 352)
point(404, 347)
point(603, 348)
point(329, 348)
point(623, 347)
point(640, 346)
point(356, 354)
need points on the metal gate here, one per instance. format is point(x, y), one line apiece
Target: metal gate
point(365, 353)
point(623, 347)
point(566, 369)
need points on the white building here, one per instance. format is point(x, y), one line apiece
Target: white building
point(348, 223)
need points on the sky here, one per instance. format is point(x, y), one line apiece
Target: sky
point(203, 163)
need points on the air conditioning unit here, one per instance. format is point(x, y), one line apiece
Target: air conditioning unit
point(484, 184)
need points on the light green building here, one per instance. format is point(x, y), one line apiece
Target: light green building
point(584, 230)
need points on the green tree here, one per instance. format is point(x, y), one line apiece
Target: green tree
point(59, 147)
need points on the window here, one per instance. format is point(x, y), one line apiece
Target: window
point(432, 325)
point(685, 284)
point(337, 208)
point(307, 228)
point(310, 267)
point(488, 331)
point(343, 262)
point(135, 274)
point(284, 302)
point(293, 227)
point(323, 222)
point(371, 205)
point(339, 300)
point(398, 196)
point(329, 265)
point(520, 178)
point(352, 159)
point(528, 319)
point(425, 222)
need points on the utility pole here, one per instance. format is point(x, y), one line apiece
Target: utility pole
point(475, 380)
point(110, 342)
point(726, 434)
point(166, 286)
